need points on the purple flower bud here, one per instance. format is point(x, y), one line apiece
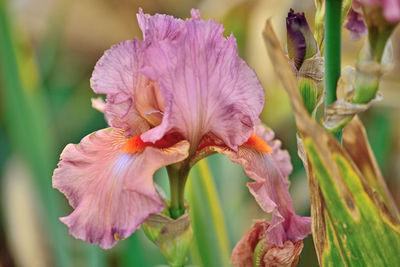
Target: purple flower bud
point(300, 40)
point(355, 24)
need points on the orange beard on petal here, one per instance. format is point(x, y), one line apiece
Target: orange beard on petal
point(136, 144)
point(253, 142)
point(258, 144)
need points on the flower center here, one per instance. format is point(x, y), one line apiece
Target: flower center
point(136, 144)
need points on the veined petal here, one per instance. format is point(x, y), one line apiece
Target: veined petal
point(115, 75)
point(111, 192)
point(158, 26)
point(271, 186)
point(206, 87)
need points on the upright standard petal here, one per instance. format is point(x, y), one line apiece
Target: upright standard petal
point(116, 75)
point(206, 87)
point(112, 192)
point(270, 171)
point(158, 27)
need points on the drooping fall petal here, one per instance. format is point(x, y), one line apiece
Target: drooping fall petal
point(271, 186)
point(206, 87)
point(112, 192)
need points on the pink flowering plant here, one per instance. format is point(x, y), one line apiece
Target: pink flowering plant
point(173, 98)
point(182, 93)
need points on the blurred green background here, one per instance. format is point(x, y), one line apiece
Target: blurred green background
point(48, 49)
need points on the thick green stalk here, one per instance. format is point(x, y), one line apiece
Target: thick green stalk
point(177, 180)
point(333, 26)
point(333, 30)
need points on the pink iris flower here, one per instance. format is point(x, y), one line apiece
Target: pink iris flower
point(176, 96)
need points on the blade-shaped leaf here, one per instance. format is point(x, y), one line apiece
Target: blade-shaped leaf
point(27, 124)
point(355, 141)
point(211, 246)
point(352, 223)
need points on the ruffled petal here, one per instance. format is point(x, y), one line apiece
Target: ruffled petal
point(158, 26)
point(206, 87)
point(271, 186)
point(115, 75)
point(111, 192)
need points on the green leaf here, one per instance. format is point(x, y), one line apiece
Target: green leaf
point(27, 124)
point(360, 227)
point(211, 246)
point(353, 221)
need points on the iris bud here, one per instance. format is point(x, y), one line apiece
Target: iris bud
point(305, 59)
point(301, 42)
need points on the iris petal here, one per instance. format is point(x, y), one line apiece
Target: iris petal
point(206, 87)
point(111, 192)
point(271, 187)
point(115, 75)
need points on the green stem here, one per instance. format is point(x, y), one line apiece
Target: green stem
point(333, 30)
point(333, 26)
point(177, 180)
